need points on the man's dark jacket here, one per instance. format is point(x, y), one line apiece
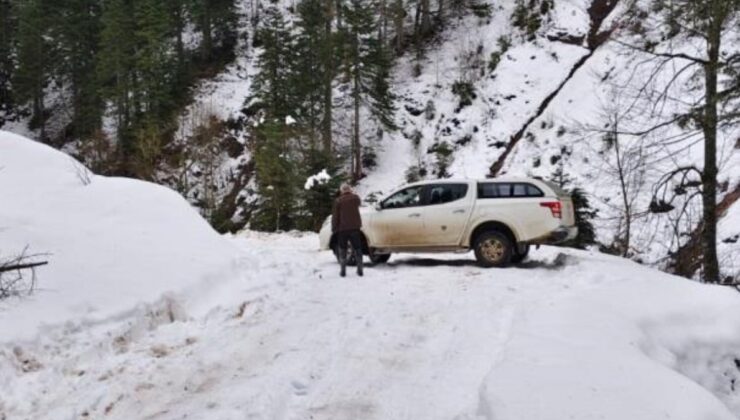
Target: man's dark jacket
point(346, 213)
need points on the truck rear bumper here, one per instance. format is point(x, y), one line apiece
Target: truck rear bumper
point(559, 235)
point(564, 234)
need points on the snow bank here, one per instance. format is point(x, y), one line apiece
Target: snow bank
point(594, 354)
point(112, 242)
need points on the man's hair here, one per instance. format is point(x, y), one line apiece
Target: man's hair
point(345, 188)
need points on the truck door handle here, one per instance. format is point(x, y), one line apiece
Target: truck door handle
point(459, 211)
point(415, 215)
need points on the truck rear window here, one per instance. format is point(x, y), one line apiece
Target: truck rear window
point(508, 190)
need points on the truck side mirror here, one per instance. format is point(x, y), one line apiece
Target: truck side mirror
point(379, 206)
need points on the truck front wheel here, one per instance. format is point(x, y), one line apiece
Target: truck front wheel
point(376, 258)
point(493, 249)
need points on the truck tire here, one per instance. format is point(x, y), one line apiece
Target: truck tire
point(379, 258)
point(521, 253)
point(493, 249)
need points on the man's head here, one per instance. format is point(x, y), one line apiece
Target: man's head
point(345, 188)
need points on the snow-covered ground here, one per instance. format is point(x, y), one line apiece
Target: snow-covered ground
point(145, 313)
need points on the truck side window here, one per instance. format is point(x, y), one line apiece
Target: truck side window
point(520, 190)
point(506, 190)
point(533, 191)
point(494, 190)
point(446, 193)
point(408, 197)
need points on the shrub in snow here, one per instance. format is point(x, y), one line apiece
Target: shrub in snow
point(443, 152)
point(465, 91)
point(529, 15)
point(584, 213)
point(415, 173)
point(504, 43)
point(369, 157)
point(430, 110)
point(482, 10)
point(315, 202)
point(320, 178)
point(416, 137)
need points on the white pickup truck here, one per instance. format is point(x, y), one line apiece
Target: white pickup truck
point(497, 218)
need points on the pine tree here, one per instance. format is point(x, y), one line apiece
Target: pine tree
point(275, 92)
point(274, 86)
point(318, 200)
point(33, 60)
point(314, 70)
point(76, 30)
point(368, 68)
point(178, 15)
point(7, 53)
point(276, 176)
point(584, 213)
point(116, 69)
point(216, 20)
point(155, 65)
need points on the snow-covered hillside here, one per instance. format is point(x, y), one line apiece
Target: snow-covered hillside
point(552, 89)
point(144, 312)
point(561, 136)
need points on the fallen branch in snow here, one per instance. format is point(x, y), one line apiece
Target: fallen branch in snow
point(13, 281)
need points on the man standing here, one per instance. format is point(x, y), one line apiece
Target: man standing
point(346, 223)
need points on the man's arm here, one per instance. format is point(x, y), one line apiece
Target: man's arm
point(334, 217)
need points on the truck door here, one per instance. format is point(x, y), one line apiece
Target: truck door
point(446, 213)
point(399, 220)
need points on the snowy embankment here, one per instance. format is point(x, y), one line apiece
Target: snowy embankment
point(111, 242)
point(566, 335)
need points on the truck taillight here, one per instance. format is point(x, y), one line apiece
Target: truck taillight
point(555, 207)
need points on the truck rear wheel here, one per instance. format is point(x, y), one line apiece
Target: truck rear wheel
point(521, 253)
point(493, 249)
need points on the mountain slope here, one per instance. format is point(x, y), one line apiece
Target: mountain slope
point(555, 90)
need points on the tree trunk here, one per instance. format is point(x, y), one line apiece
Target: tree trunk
point(356, 153)
point(623, 186)
point(38, 108)
point(398, 16)
point(709, 175)
point(207, 43)
point(326, 120)
point(426, 19)
point(383, 26)
point(179, 45)
point(338, 10)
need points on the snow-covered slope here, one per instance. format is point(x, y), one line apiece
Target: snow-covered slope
point(112, 243)
point(507, 96)
point(565, 336)
point(565, 136)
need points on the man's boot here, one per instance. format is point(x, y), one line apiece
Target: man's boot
point(358, 257)
point(343, 262)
